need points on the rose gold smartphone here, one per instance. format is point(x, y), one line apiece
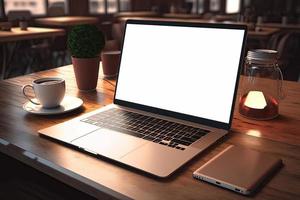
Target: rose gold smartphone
point(239, 169)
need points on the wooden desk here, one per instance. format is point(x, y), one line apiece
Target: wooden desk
point(101, 178)
point(66, 21)
point(16, 35)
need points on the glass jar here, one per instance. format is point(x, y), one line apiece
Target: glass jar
point(261, 88)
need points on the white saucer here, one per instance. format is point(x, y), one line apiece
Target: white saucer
point(68, 104)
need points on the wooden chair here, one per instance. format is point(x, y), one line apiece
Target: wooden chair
point(35, 52)
point(288, 49)
point(58, 48)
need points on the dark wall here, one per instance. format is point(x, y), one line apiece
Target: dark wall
point(79, 7)
point(273, 10)
point(163, 5)
point(1, 10)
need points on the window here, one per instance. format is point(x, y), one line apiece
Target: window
point(112, 6)
point(109, 6)
point(214, 5)
point(232, 6)
point(200, 6)
point(97, 6)
point(197, 6)
point(58, 7)
point(36, 7)
point(125, 5)
point(194, 5)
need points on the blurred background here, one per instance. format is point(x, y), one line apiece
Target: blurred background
point(273, 24)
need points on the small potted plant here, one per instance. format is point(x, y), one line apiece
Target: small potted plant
point(85, 43)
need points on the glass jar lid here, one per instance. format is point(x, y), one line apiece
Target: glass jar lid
point(262, 55)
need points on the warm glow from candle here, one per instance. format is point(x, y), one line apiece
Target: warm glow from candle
point(255, 99)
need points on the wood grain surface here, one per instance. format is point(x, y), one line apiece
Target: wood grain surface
point(103, 178)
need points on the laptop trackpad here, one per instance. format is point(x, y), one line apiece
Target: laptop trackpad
point(108, 143)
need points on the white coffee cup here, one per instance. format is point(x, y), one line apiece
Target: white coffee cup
point(49, 92)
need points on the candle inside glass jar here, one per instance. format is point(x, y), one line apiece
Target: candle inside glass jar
point(257, 105)
point(255, 99)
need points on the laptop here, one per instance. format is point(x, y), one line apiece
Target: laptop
point(175, 96)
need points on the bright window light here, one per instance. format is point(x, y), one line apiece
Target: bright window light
point(112, 6)
point(36, 7)
point(97, 6)
point(232, 6)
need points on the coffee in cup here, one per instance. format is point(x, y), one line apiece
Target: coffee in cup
point(49, 92)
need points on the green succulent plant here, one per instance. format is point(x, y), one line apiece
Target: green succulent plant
point(85, 41)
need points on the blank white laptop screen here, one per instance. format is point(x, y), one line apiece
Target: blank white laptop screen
point(188, 70)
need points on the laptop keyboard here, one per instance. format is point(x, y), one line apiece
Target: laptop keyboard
point(171, 134)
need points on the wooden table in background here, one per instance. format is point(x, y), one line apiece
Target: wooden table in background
point(136, 14)
point(16, 35)
point(101, 178)
point(294, 27)
point(66, 21)
point(262, 35)
point(182, 16)
point(263, 32)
